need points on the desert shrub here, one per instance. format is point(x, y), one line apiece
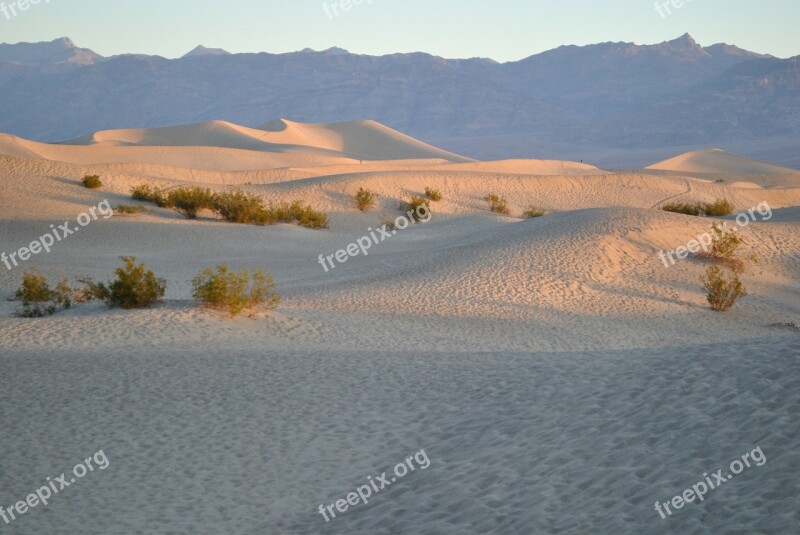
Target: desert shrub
point(130, 210)
point(236, 206)
point(92, 182)
point(190, 200)
point(148, 193)
point(413, 206)
point(724, 244)
point(722, 290)
point(134, 287)
point(497, 204)
point(683, 208)
point(533, 212)
point(433, 194)
point(38, 299)
point(719, 208)
point(365, 199)
point(388, 222)
point(296, 212)
point(234, 292)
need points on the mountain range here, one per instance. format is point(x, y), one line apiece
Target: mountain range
point(613, 104)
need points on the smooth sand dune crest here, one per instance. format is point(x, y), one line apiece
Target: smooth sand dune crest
point(359, 140)
point(716, 161)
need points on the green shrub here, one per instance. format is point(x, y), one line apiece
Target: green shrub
point(533, 212)
point(92, 182)
point(722, 291)
point(719, 208)
point(413, 206)
point(365, 199)
point(433, 194)
point(148, 193)
point(234, 292)
point(130, 210)
point(683, 208)
point(236, 206)
point(497, 204)
point(38, 299)
point(190, 200)
point(134, 287)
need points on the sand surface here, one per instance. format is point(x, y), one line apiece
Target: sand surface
point(559, 377)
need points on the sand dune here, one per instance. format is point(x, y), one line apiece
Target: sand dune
point(358, 140)
point(550, 367)
point(717, 161)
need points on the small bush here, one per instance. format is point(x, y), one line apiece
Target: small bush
point(365, 199)
point(388, 222)
point(148, 193)
point(722, 291)
point(236, 206)
point(297, 212)
point(130, 210)
point(92, 182)
point(189, 201)
point(720, 208)
point(38, 299)
point(497, 204)
point(724, 244)
point(683, 208)
point(433, 194)
point(414, 204)
point(234, 292)
point(134, 287)
point(533, 212)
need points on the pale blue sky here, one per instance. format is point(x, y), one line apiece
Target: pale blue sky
point(501, 29)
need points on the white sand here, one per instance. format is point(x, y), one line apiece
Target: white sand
point(554, 371)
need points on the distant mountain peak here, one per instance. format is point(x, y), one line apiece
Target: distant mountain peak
point(332, 51)
point(56, 52)
point(201, 50)
point(685, 40)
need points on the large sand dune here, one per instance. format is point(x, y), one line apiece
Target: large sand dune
point(716, 161)
point(560, 378)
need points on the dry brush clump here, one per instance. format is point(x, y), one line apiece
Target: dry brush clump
point(497, 204)
point(134, 287)
point(234, 206)
point(235, 292)
point(92, 182)
point(723, 288)
point(533, 212)
point(189, 201)
point(433, 194)
point(722, 281)
point(130, 210)
point(417, 207)
point(719, 208)
point(39, 299)
point(365, 199)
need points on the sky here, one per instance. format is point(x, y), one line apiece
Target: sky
point(504, 30)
